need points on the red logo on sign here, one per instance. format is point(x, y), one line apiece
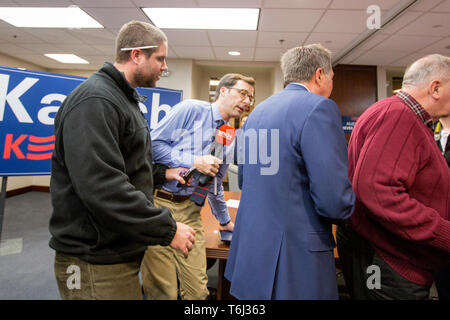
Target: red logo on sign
point(36, 147)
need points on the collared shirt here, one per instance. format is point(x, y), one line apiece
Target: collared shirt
point(302, 85)
point(417, 108)
point(185, 132)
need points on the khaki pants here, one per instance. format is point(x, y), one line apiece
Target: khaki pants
point(79, 280)
point(163, 267)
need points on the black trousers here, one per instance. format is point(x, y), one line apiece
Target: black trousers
point(443, 283)
point(360, 265)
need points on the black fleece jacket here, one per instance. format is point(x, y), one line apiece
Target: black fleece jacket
point(102, 176)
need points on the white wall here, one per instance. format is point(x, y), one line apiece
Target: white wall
point(180, 77)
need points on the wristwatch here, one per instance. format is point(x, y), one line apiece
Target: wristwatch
point(226, 223)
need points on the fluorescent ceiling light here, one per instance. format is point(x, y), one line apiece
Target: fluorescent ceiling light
point(71, 17)
point(66, 58)
point(234, 53)
point(204, 18)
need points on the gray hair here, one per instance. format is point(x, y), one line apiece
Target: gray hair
point(230, 79)
point(425, 69)
point(137, 34)
point(299, 64)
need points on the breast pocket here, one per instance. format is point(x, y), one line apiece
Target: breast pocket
point(320, 241)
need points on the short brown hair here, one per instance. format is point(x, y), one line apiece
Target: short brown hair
point(137, 34)
point(230, 79)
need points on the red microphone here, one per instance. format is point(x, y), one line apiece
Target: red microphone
point(224, 137)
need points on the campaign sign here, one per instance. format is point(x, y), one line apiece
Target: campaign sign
point(29, 101)
point(348, 123)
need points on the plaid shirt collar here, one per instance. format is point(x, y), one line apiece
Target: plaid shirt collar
point(417, 108)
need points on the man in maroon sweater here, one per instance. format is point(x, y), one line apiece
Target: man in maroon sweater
point(399, 234)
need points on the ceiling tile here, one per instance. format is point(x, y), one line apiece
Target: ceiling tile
point(94, 36)
point(165, 3)
point(188, 38)
point(222, 53)
point(41, 48)
point(104, 3)
point(331, 40)
point(106, 49)
point(204, 53)
point(269, 54)
point(8, 3)
point(53, 35)
point(342, 21)
point(232, 38)
point(304, 4)
point(288, 20)
point(363, 4)
point(400, 43)
point(116, 17)
point(272, 39)
point(44, 3)
point(424, 5)
point(372, 41)
point(79, 49)
point(229, 4)
point(442, 47)
point(401, 21)
point(407, 60)
point(17, 35)
point(351, 56)
point(10, 49)
point(443, 7)
point(426, 24)
point(382, 58)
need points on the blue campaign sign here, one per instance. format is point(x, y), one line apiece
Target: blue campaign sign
point(29, 101)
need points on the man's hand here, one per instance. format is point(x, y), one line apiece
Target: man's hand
point(208, 164)
point(174, 174)
point(228, 227)
point(184, 239)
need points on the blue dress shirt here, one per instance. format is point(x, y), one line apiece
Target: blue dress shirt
point(185, 132)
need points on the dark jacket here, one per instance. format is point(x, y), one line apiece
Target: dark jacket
point(102, 178)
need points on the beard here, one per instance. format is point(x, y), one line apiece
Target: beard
point(145, 81)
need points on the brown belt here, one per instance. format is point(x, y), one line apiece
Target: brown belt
point(163, 194)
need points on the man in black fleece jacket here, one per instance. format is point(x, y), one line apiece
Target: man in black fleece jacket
point(102, 176)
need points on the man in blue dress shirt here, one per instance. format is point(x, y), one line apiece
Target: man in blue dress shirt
point(183, 139)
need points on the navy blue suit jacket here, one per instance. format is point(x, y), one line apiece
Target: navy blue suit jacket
point(282, 245)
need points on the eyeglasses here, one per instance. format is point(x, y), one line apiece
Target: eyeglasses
point(244, 94)
point(143, 47)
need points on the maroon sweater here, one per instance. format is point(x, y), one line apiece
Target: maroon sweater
point(402, 185)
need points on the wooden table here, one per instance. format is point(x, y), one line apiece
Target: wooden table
point(216, 249)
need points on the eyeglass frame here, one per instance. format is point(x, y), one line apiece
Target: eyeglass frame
point(246, 94)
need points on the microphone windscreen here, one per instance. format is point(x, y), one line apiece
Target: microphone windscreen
point(225, 135)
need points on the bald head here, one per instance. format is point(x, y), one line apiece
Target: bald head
point(426, 69)
point(428, 81)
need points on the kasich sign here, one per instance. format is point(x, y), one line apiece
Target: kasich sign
point(29, 101)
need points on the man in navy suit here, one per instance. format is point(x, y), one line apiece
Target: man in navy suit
point(282, 245)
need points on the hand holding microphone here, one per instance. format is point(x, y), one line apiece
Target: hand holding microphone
point(224, 137)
